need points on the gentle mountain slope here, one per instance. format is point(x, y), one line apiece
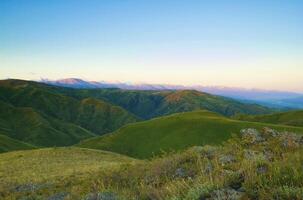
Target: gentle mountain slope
point(149, 104)
point(26, 124)
point(38, 114)
point(189, 100)
point(48, 100)
point(255, 164)
point(23, 172)
point(101, 117)
point(292, 118)
point(173, 132)
point(9, 144)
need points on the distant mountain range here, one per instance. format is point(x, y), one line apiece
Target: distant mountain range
point(271, 98)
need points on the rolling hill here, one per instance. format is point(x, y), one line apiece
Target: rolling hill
point(174, 132)
point(292, 118)
point(269, 167)
point(37, 114)
point(279, 99)
point(9, 144)
point(51, 169)
point(150, 104)
point(28, 125)
point(45, 115)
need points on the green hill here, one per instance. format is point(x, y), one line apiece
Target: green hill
point(255, 164)
point(292, 118)
point(174, 132)
point(49, 101)
point(37, 114)
point(27, 125)
point(67, 168)
point(149, 104)
point(9, 144)
point(45, 115)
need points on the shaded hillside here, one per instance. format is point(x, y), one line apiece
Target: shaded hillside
point(292, 118)
point(9, 144)
point(101, 117)
point(189, 100)
point(149, 104)
point(174, 132)
point(28, 125)
point(39, 114)
point(47, 100)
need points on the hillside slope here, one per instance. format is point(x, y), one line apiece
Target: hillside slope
point(36, 113)
point(292, 118)
point(28, 125)
point(9, 144)
point(66, 168)
point(255, 164)
point(174, 132)
point(149, 104)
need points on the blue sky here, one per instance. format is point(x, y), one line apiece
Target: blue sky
point(253, 44)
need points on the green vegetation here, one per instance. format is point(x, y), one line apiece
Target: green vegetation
point(45, 116)
point(149, 104)
point(174, 132)
point(258, 163)
point(8, 144)
point(52, 170)
point(26, 124)
point(35, 113)
point(261, 165)
point(292, 118)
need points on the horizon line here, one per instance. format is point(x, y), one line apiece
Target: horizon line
point(133, 83)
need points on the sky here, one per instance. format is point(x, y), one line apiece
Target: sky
point(250, 44)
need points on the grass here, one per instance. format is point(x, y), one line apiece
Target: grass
point(54, 169)
point(9, 144)
point(244, 166)
point(292, 118)
point(174, 132)
point(30, 126)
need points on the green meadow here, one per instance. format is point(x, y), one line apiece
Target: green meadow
point(174, 132)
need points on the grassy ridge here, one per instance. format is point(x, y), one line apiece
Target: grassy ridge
point(9, 144)
point(174, 132)
point(149, 104)
point(292, 118)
